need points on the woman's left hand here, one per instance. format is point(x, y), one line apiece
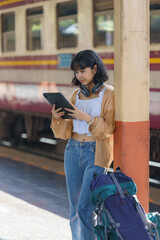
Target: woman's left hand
point(78, 114)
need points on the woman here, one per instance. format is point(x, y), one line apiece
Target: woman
point(90, 133)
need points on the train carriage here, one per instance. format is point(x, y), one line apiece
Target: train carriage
point(38, 39)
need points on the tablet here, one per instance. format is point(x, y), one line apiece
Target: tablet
point(60, 102)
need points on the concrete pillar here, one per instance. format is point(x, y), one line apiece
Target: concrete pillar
point(131, 78)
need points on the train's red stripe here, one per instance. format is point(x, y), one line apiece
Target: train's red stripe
point(154, 54)
point(107, 55)
point(110, 67)
point(155, 67)
point(39, 57)
point(49, 67)
point(155, 89)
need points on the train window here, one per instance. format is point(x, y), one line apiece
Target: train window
point(67, 25)
point(103, 22)
point(155, 23)
point(8, 32)
point(34, 28)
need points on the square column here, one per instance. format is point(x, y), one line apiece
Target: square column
point(131, 78)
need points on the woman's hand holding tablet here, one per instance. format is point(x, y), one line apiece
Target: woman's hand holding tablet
point(60, 103)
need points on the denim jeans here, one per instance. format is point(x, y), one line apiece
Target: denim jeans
point(79, 169)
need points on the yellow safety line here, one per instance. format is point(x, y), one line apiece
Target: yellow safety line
point(16, 158)
point(45, 167)
point(25, 63)
point(4, 155)
point(30, 163)
point(9, 2)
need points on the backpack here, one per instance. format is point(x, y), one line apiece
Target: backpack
point(119, 215)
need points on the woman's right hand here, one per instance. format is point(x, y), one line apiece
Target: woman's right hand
point(56, 112)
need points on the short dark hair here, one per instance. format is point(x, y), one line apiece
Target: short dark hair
point(89, 58)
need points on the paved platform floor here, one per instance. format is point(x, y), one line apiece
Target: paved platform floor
point(33, 203)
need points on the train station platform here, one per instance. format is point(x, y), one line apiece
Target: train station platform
point(33, 203)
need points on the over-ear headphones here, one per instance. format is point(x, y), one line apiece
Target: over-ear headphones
point(95, 89)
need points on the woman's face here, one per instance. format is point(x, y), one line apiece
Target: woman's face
point(85, 76)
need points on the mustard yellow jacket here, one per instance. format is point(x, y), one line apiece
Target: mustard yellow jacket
point(102, 129)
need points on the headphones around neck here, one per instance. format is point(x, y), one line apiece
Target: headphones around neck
point(95, 89)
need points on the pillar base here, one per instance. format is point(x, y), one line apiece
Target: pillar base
point(131, 154)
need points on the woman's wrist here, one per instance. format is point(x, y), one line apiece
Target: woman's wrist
point(91, 120)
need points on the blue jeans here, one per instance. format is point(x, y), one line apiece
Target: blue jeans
point(79, 169)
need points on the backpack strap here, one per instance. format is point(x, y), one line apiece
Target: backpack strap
point(145, 220)
point(118, 186)
point(156, 231)
point(105, 225)
point(97, 218)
